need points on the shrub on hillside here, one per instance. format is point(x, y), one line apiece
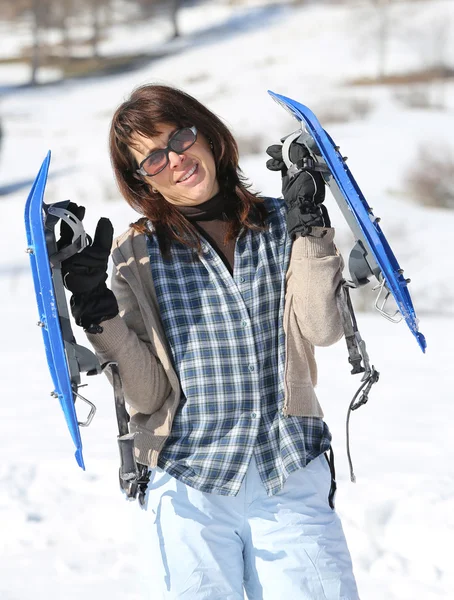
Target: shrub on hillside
point(343, 110)
point(250, 144)
point(430, 180)
point(414, 97)
point(422, 96)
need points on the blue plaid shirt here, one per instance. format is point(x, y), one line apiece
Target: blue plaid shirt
point(228, 347)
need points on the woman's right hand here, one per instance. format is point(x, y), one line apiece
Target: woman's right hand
point(85, 273)
point(86, 269)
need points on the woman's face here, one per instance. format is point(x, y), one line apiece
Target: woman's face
point(172, 182)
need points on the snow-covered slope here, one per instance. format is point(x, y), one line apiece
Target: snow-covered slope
point(66, 533)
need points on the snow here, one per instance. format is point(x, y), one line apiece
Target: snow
point(68, 533)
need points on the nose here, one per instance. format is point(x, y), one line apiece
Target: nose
point(175, 159)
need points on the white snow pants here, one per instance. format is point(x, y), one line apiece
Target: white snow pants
point(289, 546)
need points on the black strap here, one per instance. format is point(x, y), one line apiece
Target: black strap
point(350, 327)
point(365, 389)
point(137, 488)
point(134, 476)
point(333, 487)
point(357, 357)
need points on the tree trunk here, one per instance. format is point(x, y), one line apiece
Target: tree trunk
point(383, 38)
point(174, 7)
point(36, 54)
point(66, 39)
point(96, 25)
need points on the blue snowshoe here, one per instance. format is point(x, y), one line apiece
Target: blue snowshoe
point(66, 359)
point(371, 256)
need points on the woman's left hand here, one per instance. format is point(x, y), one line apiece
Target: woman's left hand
point(304, 192)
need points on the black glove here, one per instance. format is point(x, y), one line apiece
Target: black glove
point(85, 273)
point(303, 193)
point(89, 309)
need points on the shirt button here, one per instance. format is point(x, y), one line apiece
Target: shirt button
point(253, 415)
point(251, 368)
point(242, 279)
point(204, 248)
point(244, 323)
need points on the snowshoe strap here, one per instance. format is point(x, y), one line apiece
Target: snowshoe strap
point(357, 357)
point(137, 489)
point(129, 471)
point(308, 163)
point(332, 470)
point(349, 324)
point(57, 211)
point(364, 389)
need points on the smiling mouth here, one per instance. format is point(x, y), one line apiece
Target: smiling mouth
point(192, 171)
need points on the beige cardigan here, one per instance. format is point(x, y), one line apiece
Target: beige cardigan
point(135, 338)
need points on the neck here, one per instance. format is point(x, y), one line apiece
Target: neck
point(211, 209)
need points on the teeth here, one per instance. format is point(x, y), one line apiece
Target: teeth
point(189, 173)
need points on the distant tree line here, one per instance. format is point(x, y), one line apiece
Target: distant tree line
point(93, 17)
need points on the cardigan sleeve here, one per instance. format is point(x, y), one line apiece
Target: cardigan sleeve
point(124, 340)
point(313, 278)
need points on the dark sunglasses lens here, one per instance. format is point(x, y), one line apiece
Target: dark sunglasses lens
point(155, 162)
point(182, 140)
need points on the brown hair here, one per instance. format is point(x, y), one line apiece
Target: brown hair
point(148, 107)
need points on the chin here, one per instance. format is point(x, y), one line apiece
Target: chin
point(199, 200)
point(201, 196)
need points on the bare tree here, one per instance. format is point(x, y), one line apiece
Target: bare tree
point(98, 11)
point(174, 8)
point(150, 8)
point(96, 27)
point(63, 11)
point(431, 42)
point(38, 12)
point(382, 8)
point(146, 7)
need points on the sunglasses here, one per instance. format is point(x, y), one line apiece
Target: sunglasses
point(158, 160)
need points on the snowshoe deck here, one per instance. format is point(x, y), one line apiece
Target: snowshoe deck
point(65, 358)
point(372, 254)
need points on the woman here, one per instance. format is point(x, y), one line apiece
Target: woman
point(218, 297)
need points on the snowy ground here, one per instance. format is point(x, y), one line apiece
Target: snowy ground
point(66, 533)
